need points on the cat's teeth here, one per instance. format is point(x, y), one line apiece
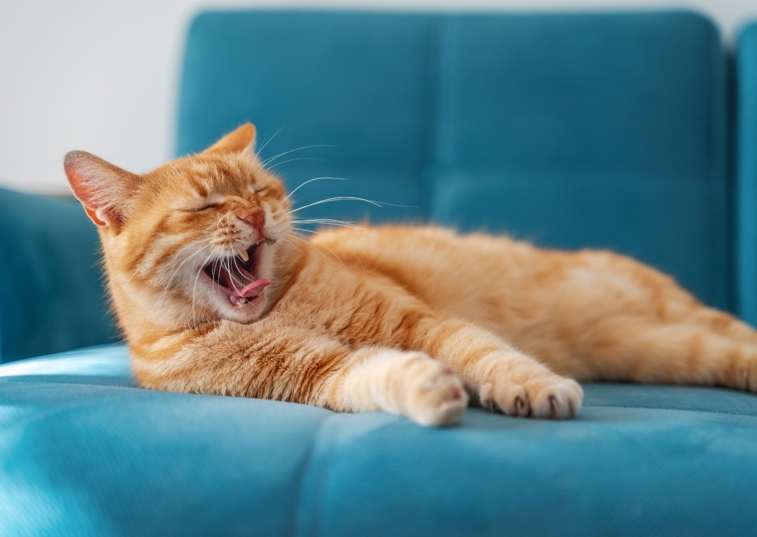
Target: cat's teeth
point(269, 242)
point(242, 300)
point(245, 256)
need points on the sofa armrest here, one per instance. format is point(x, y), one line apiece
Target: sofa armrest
point(52, 296)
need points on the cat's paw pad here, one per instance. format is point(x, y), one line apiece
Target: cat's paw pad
point(436, 395)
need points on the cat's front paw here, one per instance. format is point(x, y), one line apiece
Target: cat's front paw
point(537, 394)
point(435, 395)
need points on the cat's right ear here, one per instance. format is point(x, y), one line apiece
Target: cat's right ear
point(103, 189)
point(240, 140)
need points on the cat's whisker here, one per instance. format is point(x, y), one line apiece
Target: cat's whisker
point(329, 222)
point(257, 153)
point(232, 274)
point(329, 249)
point(295, 236)
point(194, 288)
point(227, 261)
point(223, 217)
point(292, 160)
point(325, 178)
point(336, 198)
point(271, 159)
point(333, 222)
point(164, 294)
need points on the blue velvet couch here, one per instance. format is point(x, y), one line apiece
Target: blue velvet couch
point(631, 131)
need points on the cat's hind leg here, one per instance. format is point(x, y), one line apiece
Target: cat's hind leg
point(681, 352)
point(724, 324)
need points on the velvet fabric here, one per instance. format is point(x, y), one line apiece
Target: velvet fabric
point(52, 296)
point(86, 452)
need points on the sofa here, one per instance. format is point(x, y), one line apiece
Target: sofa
point(632, 131)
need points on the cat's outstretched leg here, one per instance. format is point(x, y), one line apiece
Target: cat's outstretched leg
point(272, 361)
point(401, 382)
point(501, 377)
point(681, 352)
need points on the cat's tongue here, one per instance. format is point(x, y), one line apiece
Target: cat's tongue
point(252, 290)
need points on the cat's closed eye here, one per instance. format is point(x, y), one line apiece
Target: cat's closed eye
point(199, 209)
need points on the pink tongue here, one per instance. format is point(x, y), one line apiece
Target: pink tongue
point(251, 290)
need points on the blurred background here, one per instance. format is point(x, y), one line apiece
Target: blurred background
point(103, 76)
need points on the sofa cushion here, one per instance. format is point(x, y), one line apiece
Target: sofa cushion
point(572, 130)
point(85, 451)
point(52, 296)
point(354, 85)
point(581, 130)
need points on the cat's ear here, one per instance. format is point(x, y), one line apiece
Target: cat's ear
point(105, 190)
point(238, 141)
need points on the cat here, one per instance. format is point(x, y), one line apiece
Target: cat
point(215, 294)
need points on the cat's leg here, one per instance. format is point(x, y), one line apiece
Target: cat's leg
point(683, 352)
point(724, 324)
point(270, 361)
point(501, 376)
point(401, 382)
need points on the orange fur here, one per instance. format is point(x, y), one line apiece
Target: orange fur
point(403, 319)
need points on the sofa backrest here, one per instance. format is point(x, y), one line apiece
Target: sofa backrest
point(569, 130)
point(746, 172)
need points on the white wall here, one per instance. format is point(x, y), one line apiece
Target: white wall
point(102, 75)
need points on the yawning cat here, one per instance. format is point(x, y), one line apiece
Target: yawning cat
point(215, 294)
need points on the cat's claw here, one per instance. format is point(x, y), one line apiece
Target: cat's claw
point(545, 395)
point(555, 399)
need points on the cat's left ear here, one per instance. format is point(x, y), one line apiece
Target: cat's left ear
point(239, 141)
point(106, 191)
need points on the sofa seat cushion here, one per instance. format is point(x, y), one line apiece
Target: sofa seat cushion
point(87, 452)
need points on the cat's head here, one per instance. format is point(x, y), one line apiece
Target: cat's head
point(196, 239)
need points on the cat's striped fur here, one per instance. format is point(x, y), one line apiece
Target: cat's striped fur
point(407, 320)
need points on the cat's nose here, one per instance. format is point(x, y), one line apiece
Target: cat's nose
point(254, 217)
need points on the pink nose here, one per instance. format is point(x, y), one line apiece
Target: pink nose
point(254, 217)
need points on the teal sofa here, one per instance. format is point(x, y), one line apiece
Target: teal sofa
point(630, 131)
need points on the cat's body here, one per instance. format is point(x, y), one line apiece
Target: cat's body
point(407, 320)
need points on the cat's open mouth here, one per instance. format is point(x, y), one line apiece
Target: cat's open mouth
point(237, 277)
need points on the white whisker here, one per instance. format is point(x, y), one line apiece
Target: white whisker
point(329, 249)
point(194, 288)
point(164, 294)
point(328, 222)
point(295, 236)
point(292, 160)
point(257, 153)
point(271, 159)
point(337, 198)
point(308, 182)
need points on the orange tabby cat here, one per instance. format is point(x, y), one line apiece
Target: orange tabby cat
point(216, 295)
